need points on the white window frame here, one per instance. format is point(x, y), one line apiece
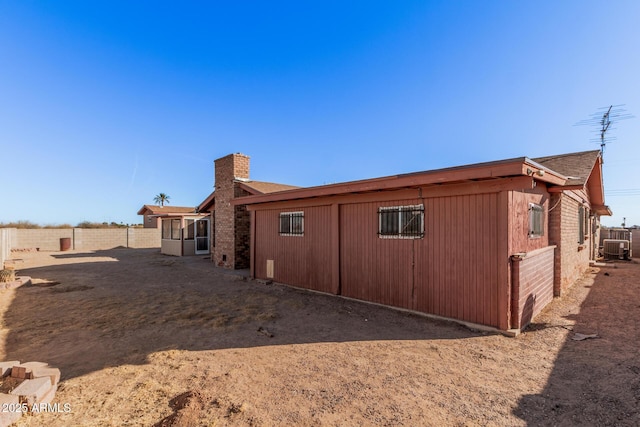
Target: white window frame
point(401, 226)
point(291, 216)
point(176, 229)
point(171, 228)
point(166, 233)
point(536, 211)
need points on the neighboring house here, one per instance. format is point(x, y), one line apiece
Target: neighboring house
point(488, 243)
point(184, 231)
point(230, 224)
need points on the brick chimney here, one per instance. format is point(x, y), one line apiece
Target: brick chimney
point(228, 171)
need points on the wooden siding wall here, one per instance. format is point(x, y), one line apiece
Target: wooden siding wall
point(520, 240)
point(303, 261)
point(452, 272)
point(533, 285)
point(460, 269)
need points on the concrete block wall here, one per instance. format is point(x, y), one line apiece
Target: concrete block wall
point(42, 238)
point(140, 238)
point(96, 239)
point(87, 238)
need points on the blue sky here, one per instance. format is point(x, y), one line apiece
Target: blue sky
point(103, 105)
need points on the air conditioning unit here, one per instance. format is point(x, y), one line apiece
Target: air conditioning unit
point(616, 249)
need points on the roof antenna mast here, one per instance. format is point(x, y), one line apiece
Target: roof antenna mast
point(605, 122)
point(604, 119)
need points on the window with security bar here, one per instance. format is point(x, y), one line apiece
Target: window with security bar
point(401, 222)
point(536, 220)
point(292, 223)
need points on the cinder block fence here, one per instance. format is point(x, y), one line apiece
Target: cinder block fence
point(84, 238)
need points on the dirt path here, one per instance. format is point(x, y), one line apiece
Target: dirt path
point(144, 339)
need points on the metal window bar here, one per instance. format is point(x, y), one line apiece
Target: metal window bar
point(292, 224)
point(401, 221)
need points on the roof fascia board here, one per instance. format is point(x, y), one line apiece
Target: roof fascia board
point(521, 183)
point(501, 169)
point(207, 203)
point(543, 173)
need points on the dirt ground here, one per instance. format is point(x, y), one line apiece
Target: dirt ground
point(145, 339)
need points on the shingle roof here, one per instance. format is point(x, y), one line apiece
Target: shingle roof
point(156, 210)
point(254, 187)
point(576, 166)
point(268, 187)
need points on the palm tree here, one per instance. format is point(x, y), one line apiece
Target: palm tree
point(161, 199)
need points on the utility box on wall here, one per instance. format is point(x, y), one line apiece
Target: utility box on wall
point(269, 269)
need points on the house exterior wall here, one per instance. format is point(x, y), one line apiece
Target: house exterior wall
point(227, 170)
point(301, 261)
point(533, 276)
point(571, 258)
point(171, 247)
point(150, 221)
point(451, 272)
point(520, 241)
point(459, 269)
point(188, 247)
point(242, 228)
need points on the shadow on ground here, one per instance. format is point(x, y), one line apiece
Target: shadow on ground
point(595, 381)
point(90, 311)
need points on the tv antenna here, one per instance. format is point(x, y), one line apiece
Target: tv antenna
point(603, 119)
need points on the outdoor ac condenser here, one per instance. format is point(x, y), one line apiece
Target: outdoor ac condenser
point(616, 249)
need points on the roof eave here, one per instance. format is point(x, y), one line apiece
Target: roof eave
point(498, 169)
point(602, 210)
point(207, 203)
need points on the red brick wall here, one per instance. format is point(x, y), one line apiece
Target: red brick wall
point(571, 258)
point(242, 232)
point(227, 170)
point(534, 285)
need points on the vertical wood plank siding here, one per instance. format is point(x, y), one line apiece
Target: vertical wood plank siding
point(303, 261)
point(460, 269)
point(451, 272)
